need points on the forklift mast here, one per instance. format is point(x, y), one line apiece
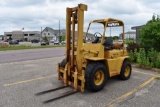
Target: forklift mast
point(74, 42)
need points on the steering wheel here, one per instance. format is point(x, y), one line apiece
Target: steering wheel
point(96, 39)
point(95, 34)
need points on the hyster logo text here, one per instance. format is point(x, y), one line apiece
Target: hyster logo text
point(113, 24)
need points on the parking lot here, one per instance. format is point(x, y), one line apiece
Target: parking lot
point(20, 81)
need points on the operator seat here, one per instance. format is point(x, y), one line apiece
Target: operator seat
point(96, 40)
point(108, 44)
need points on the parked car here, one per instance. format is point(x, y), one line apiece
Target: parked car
point(52, 41)
point(34, 41)
point(20, 40)
point(13, 42)
point(2, 43)
point(63, 42)
point(56, 42)
point(43, 43)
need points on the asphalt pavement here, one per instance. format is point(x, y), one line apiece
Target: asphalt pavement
point(30, 54)
point(20, 81)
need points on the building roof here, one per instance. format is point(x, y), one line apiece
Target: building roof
point(136, 27)
point(19, 31)
point(37, 32)
point(130, 32)
point(55, 31)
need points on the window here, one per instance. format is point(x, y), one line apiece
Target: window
point(48, 33)
point(44, 33)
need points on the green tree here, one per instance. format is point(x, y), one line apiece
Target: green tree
point(115, 37)
point(150, 34)
point(10, 38)
point(63, 37)
point(45, 39)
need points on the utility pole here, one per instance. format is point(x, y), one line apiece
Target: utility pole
point(41, 35)
point(59, 33)
point(110, 31)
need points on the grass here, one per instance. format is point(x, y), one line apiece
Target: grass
point(21, 47)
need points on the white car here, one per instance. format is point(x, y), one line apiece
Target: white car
point(63, 42)
point(56, 42)
point(52, 41)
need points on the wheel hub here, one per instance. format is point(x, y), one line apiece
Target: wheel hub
point(99, 77)
point(127, 71)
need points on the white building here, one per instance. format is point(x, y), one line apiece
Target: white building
point(128, 35)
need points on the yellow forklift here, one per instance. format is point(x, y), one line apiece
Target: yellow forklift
point(89, 65)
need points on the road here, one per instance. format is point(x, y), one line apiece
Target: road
point(19, 81)
point(31, 54)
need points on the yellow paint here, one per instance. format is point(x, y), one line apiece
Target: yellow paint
point(80, 54)
point(127, 71)
point(30, 80)
point(111, 104)
point(99, 77)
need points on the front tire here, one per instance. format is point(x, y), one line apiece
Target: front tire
point(125, 71)
point(96, 76)
point(62, 65)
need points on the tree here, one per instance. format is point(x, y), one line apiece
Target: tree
point(45, 39)
point(63, 37)
point(10, 38)
point(150, 34)
point(115, 37)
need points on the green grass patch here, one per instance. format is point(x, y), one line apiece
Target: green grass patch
point(21, 47)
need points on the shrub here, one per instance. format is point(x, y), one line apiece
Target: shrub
point(133, 46)
point(142, 58)
point(152, 54)
point(158, 61)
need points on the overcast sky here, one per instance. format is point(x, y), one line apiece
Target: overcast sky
point(34, 14)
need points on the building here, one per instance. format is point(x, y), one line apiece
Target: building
point(90, 37)
point(1, 37)
point(22, 35)
point(50, 33)
point(128, 35)
point(53, 34)
point(137, 28)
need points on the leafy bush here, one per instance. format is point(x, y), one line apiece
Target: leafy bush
point(146, 59)
point(152, 54)
point(128, 41)
point(150, 34)
point(158, 61)
point(133, 46)
point(142, 58)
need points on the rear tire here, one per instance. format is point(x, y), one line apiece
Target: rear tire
point(96, 76)
point(125, 71)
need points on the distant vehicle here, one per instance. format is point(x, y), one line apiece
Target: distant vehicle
point(43, 43)
point(2, 43)
point(63, 42)
point(13, 42)
point(34, 41)
point(20, 40)
point(56, 42)
point(52, 41)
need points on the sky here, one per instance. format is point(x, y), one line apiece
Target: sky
point(34, 14)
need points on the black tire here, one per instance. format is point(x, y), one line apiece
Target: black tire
point(126, 67)
point(90, 75)
point(63, 63)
